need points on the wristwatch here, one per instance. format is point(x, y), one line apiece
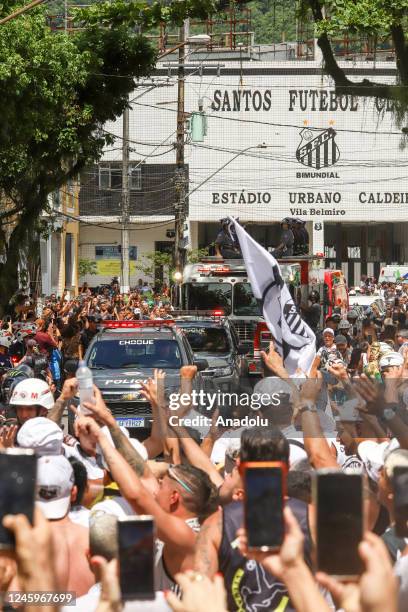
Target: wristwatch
point(389, 411)
point(307, 406)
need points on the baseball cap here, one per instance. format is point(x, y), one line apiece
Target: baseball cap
point(340, 339)
point(55, 479)
point(42, 435)
point(391, 359)
point(374, 455)
point(328, 330)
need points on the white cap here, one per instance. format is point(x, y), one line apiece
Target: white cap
point(391, 359)
point(373, 455)
point(42, 435)
point(55, 479)
point(271, 385)
point(328, 330)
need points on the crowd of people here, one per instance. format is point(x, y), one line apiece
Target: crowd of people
point(349, 413)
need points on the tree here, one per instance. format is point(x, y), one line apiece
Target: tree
point(376, 18)
point(87, 266)
point(151, 262)
point(56, 93)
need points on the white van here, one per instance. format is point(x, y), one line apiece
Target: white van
point(390, 274)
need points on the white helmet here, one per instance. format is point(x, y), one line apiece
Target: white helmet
point(391, 359)
point(32, 392)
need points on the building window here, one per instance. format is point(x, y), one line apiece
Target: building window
point(135, 177)
point(104, 178)
point(353, 252)
point(110, 177)
point(113, 251)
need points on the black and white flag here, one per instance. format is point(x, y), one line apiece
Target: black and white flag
point(293, 338)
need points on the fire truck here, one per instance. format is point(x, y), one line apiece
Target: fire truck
point(222, 286)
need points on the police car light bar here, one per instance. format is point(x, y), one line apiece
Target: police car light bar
point(218, 313)
point(136, 324)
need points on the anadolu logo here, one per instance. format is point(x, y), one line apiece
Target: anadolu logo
point(318, 148)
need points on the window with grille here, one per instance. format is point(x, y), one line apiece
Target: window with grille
point(110, 177)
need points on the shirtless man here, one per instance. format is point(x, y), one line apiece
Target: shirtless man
point(55, 489)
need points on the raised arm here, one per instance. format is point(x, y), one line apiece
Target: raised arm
point(172, 530)
point(314, 439)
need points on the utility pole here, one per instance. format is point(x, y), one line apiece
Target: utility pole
point(180, 179)
point(125, 272)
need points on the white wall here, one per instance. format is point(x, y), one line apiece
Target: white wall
point(370, 158)
point(141, 237)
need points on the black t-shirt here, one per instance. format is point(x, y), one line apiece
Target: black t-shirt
point(249, 586)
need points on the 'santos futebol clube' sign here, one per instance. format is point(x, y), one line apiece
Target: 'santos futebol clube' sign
point(317, 149)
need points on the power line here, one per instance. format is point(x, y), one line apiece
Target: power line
point(133, 229)
point(285, 125)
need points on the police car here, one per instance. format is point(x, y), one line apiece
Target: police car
point(215, 339)
point(125, 353)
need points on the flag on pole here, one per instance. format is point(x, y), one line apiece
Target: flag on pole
point(293, 338)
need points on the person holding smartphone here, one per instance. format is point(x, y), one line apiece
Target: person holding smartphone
point(184, 497)
point(215, 549)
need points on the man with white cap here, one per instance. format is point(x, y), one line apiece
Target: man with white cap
point(41, 435)
point(54, 490)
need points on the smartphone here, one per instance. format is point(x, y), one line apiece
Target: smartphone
point(400, 489)
point(265, 490)
point(136, 557)
point(338, 499)
point(18, 472)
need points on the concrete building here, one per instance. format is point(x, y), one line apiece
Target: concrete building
point(59, 253)
point(289, 147)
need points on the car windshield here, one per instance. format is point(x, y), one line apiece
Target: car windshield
point(245, 303)
point(208, 339)
point(135, 353)
point(209, 296)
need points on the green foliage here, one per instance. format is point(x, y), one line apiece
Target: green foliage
point(273, 20)
point(151, 261)
point(194, 255)
point(145, 15)
point(374, 17)
point(56, 93)
point(87, 266)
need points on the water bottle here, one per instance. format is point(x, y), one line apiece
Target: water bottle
point(85, 382)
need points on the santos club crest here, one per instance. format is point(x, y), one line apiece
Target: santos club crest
point(318, 148)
